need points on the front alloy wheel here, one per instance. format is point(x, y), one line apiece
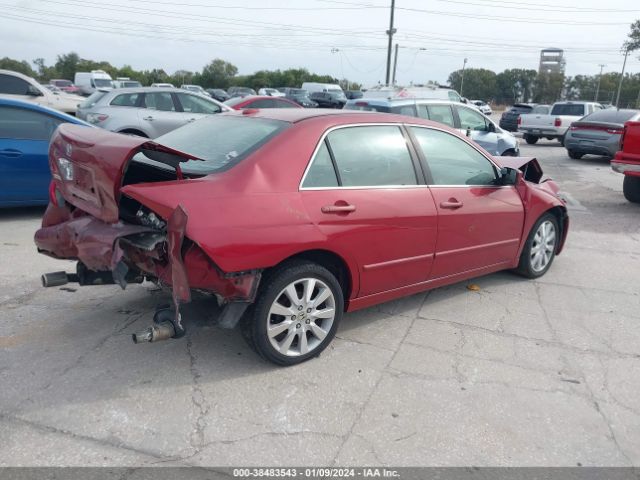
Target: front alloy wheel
point(540, 248)
point(296, 313)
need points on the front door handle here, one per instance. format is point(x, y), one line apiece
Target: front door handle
point(11, 153)
point(338, 208)
point(191, 120)
point(149, 118)
point(451, 204)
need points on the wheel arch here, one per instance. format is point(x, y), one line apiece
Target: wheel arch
point(133, 131)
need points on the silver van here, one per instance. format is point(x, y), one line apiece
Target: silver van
point(480, 128)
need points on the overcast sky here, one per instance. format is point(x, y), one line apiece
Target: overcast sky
point(343, 38)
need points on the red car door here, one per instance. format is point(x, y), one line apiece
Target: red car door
point(479, 222)
point(363, 192)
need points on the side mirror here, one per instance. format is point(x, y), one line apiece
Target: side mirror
point(491, 128)
point(34, 92)
point(509, 176)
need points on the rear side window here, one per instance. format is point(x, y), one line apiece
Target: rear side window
point(371, 156)
point(283, 104)
point(261, 103)
point(159, 101)
point(409, 110)
point(220, 141)
point(92, 99)
point(11, 85)
point(17, 123)
point(126, 100)
point(569, 109)
point(452, 161)
point(321, 173)
point(441, 114)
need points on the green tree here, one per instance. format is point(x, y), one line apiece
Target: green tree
point(217, 74)
point(548, 87)
point(20, 66)
point(633, 43)
point(515, 85)
point(67, 65)
point(479, 83)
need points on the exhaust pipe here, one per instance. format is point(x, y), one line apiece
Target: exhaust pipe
point(155, 333)
point(56, 279)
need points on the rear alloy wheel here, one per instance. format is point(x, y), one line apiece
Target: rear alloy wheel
point(530, 139)
point(631, 188)
point(540, 249)
point(575, 155)
point(296, 314)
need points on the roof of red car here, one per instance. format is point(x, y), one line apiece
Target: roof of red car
point(295, 115)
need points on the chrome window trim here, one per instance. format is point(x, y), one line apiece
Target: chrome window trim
point(359, 187)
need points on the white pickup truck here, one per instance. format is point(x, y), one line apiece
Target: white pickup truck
point(534, 126)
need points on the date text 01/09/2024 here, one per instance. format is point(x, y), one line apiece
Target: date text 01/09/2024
point(369, 472)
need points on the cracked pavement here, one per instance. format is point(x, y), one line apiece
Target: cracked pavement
point(518, 373)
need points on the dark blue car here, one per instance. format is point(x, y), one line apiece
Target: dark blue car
point(25, 131)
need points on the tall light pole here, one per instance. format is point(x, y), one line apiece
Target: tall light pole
point(390, 32)
point(464, 64)
point(395, 65)
point(624, 64)
point(595, 99)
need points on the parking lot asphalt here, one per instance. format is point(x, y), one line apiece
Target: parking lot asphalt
point(515, 373)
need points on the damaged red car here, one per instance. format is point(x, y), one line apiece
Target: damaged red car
point(291, 217)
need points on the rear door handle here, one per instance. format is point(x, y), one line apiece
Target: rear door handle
point(11, 153)
point(149, 118)
point(338, 208)
point(451, 204)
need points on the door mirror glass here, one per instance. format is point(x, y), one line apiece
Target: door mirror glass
point(491, 128)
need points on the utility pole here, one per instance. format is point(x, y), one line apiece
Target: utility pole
point(624, 64)
point(595, 99)
point(390, 32)
point(464, 64)
point(395, 65)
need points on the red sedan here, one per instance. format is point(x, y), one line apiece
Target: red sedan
point(292, 217)
point(257, 101)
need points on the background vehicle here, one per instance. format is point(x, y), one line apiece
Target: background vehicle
point(554, 125)
point(88, 82)
point(271, 92)
point(353, 94)
point(124, 82)
point(627, 161)
point(300, 96)
point(240, 91)
point(598, 133)
point(465, 118)
point(329, 99)
point(509, 118)
point(415, 91)
point(482, 106)
point(25, 131)
point(162, 85)
point(20, 87)
point(147, 111)
point(312, 87)
point(65, 85)
point(322, 255)
point(195, 89)
point(219, 94)
point(260, 101)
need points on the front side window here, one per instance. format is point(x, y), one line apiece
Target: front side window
point(17, 123)
point(373, 155)
point(159, 101)
point(126, 100)
point(441, 114)
point(470, 119)
point(194, 104)
point(283, 104)
point(409, 110)
point(11, 85)
point(452, 161)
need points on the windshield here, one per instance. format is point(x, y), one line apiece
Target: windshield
point(101, 82)
point(611, 116)
point(92, 99)
point(235, 101)
point(570, 109)
point(220, 141)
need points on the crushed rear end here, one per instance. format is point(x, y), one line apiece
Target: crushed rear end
point(101, 213)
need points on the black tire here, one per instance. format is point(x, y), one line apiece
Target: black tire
point(562, 139)
point(255, 323)
point(530, 139)
point(509, 153)
point(525, 267)
point(631, 188)
point(575, 155)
